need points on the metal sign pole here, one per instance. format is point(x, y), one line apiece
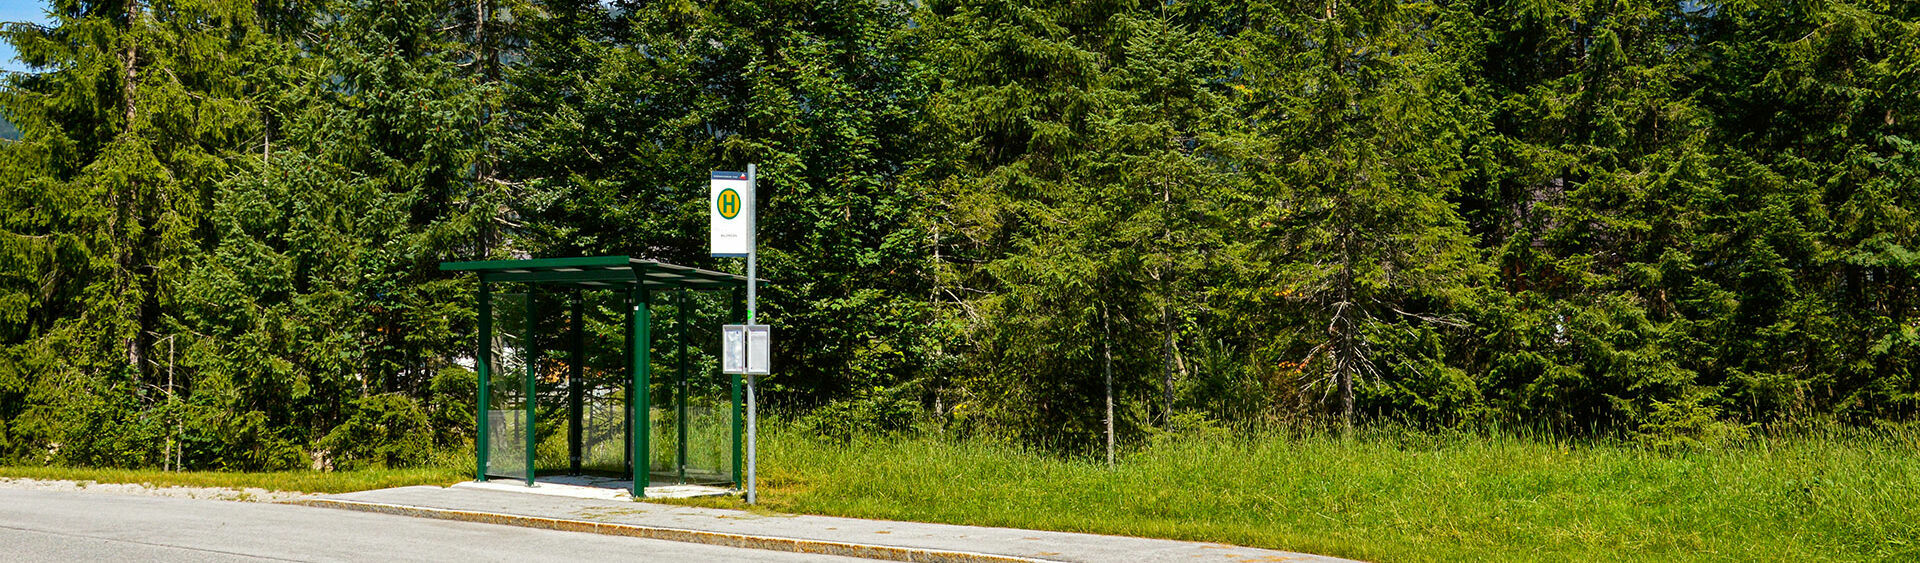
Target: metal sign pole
point(733, 236)
point(753, 252)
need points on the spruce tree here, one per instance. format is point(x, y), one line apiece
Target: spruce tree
point(1361, 114)
point(132, 117)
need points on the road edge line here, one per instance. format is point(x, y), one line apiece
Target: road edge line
point(768, 543)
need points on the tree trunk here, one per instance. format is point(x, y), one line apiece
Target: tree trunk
point(1166, 301)
point(1166, 365)
point(127, 210)
point(127, 85)
point(1346, 384)
point(1106, 352)
point(1348, 352)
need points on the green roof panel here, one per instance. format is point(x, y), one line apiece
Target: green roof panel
point(604, 272)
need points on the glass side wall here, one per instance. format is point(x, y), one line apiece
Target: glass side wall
point(604, 380)
point(664, 447)
point(691, 400)
point(709, 393)
point(553, 342)
point(506, 397)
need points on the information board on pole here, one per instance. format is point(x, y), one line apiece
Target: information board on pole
point(746, 349)
point(733, 349)
point(759, 350)
point(730, 214)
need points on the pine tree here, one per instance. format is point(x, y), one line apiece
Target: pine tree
point(1082, 204)
point(323, 288)
point(131, 121)
point(1814, 104)
point(1598, 187)
point(1362, 113)
point(620, 113)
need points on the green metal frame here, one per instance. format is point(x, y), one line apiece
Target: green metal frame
point(482, 364)
point(639, 279)
point(680, 383)
point(639, 404)
point(739, 308)
point(532, 391)
point(576, 386)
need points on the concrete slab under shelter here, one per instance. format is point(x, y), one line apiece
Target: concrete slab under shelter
point(593, 487)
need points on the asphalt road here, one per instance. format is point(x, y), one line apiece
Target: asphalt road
point(80, 526)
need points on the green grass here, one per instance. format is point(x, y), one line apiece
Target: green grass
point(1395, 496)
point(295, 481)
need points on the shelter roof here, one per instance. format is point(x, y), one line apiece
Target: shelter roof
point(598, 272)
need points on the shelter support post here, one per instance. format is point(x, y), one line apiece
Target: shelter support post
point(680, 379)
point(640, 320)
point(575, 386)
point(737, 404)
point(530, 346)
point(483, 368)
point(627, 351)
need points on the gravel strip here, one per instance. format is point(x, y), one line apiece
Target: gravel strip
point(249, 494)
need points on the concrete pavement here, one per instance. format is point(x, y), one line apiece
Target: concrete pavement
point(38, 525)
point(877, 539)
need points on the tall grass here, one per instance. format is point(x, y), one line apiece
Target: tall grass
point(1396, 495)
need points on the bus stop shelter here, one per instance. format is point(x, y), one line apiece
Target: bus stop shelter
point(567, 378)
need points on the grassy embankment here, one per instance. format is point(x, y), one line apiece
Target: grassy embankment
point(1396, 496)
point(296, 481)
point(1392, 496)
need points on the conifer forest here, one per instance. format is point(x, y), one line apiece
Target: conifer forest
point(1057, 224)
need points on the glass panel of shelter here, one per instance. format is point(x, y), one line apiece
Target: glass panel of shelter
point(691, 400)
point(604, 380)
point(506, 397)
point(707, 393)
